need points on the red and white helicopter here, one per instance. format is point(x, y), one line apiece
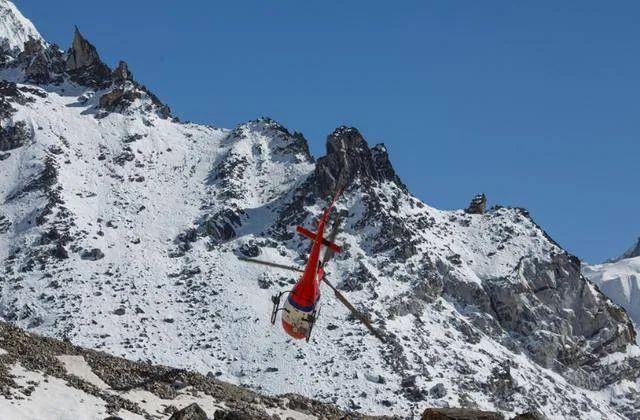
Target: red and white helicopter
point(300, 311)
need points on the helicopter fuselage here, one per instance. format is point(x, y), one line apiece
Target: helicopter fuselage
point(300, 310)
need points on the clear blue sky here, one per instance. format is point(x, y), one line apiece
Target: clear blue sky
point(535, 103)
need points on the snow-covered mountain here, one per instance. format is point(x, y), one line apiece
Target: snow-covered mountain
point(120, 229)
point(632, 252)
point(619, 279)
point(15, 29)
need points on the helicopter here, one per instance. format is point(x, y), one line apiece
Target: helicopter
point(301, 308)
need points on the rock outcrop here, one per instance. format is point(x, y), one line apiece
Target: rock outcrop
point(348, 159)
point(14, 136)
point(190, 412)
point(42, 63)
point(478, 204)
point(122, 74)
point(83, 64)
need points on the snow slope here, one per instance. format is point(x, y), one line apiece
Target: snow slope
point(15, 29)
point(619, 280)
point(120, 229)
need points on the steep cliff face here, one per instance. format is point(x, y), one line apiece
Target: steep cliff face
point(120, 229)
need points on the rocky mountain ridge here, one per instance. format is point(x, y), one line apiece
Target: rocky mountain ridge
point(632, 252)
point(120, 229)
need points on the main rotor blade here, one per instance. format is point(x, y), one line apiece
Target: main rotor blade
point(272, 264)
point(363, 318)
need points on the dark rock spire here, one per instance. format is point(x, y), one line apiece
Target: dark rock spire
point(349, 158)
point(82, 53)
point(83, 63)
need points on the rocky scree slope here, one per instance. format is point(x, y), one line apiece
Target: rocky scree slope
point(120, 229)
point(42, 378)
point(37, 374)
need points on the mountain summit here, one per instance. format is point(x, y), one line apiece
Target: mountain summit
point(15, 29)
point(632, 252)
point(120, 230)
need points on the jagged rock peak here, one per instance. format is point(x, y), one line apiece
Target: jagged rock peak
point(82, 53)
point(83, 64)
point(384, 166)
point(348, 158)
point(478, 204)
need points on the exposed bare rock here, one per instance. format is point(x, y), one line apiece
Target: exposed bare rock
point(42, 63)
point(84, 65)
point(5, 223)
point(119, 99)
point(121, 74)
point(349, 158)
point(191, 412)
point(478, 204)
point(14, 136)
point(40, 354)
point(93, 254)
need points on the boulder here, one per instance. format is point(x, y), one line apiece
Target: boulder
point(92, 254)
point(191, 412)
point(60, 252)
point(438, 390)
